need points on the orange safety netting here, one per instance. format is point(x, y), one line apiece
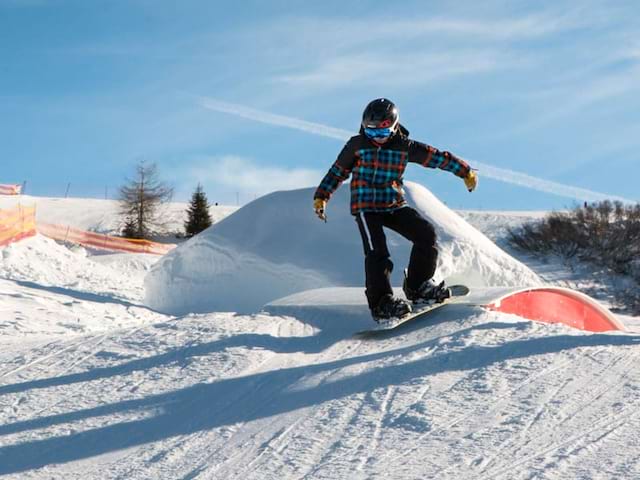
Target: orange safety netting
point(17, 223)
point(20, 222)
point(105, 242)
point(10, 189)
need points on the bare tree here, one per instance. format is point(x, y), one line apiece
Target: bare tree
point(606, 234)
point(140, 200)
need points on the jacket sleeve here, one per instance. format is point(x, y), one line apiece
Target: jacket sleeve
point(431, 157)
point(339, 171)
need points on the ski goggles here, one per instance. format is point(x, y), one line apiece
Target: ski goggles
point(378, 132)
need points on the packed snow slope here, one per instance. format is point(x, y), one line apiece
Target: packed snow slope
point(93, 385)
point(276, 246)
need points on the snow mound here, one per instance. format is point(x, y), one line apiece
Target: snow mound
point(43, 262)
point(275, 246)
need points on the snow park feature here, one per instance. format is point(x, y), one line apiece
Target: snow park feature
point(542, 304)
point(273, 247)
point(557, 305)
point(94, 384)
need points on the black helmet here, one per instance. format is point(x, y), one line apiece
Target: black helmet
point(380, 113)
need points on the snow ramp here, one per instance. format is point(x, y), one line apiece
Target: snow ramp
point(321, 307)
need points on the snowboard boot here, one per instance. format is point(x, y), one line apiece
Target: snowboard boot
point(428, 293)
point(389, 308)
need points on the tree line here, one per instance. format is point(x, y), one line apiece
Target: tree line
point(141, 199)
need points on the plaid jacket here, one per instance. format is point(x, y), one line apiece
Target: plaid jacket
point(376, 171)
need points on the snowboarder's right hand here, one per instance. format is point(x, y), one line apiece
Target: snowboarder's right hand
point(320, 205)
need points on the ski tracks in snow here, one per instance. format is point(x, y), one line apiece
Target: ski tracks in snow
point(295, 442)
point(566, 406)
point(233, 448)
point(379, 426)
point(523, 413)
point(45, 367)
point(458, 421)
point(589, 412)
point(456, 399)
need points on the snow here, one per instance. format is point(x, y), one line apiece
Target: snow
point(275, 247)
point(94, 384)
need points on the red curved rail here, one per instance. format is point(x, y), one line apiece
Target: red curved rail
point(559, 305)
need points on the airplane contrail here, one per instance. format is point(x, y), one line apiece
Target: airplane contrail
point(500, 174)
point(272, 119)
point(547, 186)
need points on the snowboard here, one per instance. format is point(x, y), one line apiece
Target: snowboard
point(457, 294)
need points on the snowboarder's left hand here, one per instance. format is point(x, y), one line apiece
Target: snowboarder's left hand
point(471, 180)
point(320, 206)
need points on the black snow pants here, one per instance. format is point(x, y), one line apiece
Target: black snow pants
point(378, 265)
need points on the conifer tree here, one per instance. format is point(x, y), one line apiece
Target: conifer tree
point(198, 217)
point(130, 230)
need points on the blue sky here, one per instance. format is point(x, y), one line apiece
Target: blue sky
point(545, 89)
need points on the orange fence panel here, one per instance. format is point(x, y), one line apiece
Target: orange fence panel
point(102, 241)
point(20, 222)
point(17, 223)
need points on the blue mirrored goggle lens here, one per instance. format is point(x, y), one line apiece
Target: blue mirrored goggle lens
point(378, 132)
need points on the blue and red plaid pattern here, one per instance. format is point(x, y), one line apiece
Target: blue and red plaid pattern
point(331, 181)
point(445, 161)
point(376, 180)
point(377, 173)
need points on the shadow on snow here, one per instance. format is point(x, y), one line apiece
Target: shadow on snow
point(243, 399)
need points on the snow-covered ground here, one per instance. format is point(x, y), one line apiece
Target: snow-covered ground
point(96, 385)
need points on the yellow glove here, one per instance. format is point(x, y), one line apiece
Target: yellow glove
point(320, 205)
point(471, 180)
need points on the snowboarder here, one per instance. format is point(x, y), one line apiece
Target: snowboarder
point(376, 159)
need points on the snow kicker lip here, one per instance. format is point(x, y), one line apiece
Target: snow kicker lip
point(557, 305)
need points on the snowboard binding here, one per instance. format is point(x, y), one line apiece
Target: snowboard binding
point(427, 294)
point(390, 308)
